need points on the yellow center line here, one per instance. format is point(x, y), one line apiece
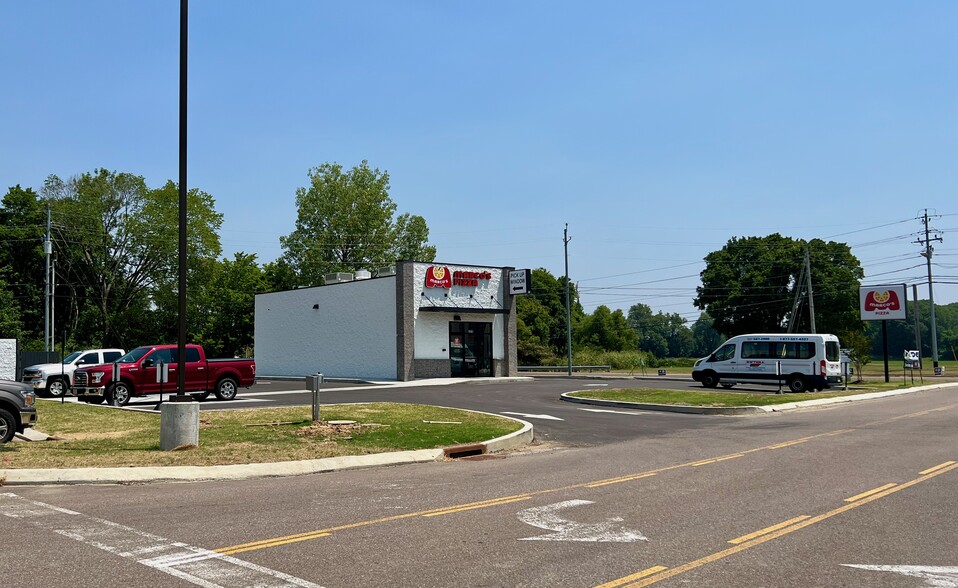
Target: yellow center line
point(937, 467)
point(465, 508)
point(669, 573)
point(768, 530)
point(788, 444)
point(622, 479)
point(636, 576)
point(262, 544)
point(870, 492)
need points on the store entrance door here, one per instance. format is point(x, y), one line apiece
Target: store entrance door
point(470, 349)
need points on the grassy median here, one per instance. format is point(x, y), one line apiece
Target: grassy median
point(713, 398)
point(97, 436)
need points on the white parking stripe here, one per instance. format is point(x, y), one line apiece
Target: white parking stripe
point(196, 565)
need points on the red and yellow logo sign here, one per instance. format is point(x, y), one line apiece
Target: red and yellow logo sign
point(438, 277)
point(885, 300)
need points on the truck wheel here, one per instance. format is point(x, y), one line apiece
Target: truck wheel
point(710, 379)
point(8, 426)
point(200, 395)
point(118, 394)
point(797, 384)
point(226, 389)
point(56, 387)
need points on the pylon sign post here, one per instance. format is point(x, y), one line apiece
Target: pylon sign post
point(883, 303)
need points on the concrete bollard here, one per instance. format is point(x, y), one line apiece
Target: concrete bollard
point(179, 425)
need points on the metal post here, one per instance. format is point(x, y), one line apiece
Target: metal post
point(181, 341)
point(811, 297)
point(315, 383)
point(914, 295)
point(568, 307)
point(927, 253)
point(47, 250)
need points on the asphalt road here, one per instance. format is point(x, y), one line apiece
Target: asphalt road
point(788, 499)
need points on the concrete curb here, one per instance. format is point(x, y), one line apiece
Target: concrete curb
point(128, 475)
point(742, 410)
point(723, 410)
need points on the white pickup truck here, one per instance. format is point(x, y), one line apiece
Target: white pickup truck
point(54, 379)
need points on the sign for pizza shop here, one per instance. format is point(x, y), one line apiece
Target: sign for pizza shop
point(879, 303)
point(441, 277)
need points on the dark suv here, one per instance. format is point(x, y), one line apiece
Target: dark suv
point(17, 408)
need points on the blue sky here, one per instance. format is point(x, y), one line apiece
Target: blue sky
point(656, 130)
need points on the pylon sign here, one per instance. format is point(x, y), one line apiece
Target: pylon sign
point(880, 303)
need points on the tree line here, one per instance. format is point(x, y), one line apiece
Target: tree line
point(115, 251)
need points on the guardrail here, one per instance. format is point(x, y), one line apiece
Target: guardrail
point(564, 368)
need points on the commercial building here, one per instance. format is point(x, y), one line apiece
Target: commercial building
point(413, 320)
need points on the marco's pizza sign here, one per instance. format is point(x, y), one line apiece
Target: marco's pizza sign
point(879, 303)
point(441, 277)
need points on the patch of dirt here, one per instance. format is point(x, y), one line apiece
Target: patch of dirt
point(93, 435)
point(327, 431)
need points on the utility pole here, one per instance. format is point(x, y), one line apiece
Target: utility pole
point(927, 253)
point(811, 297)
point(568, 309)
point(914, 295)
point(47, 250)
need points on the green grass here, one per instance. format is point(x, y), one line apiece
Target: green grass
point(92, 436)
point(715, 399)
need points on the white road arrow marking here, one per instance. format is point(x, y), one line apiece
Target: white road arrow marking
point(935, 576)
point(546, 517)
point(547, 417)
point(612, 411)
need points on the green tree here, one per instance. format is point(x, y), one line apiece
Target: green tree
point(118, 243)
point(651, 339)
point(607, 331)
point(704, 336)
point(228, 330)
point(345, 222)
point(541, 318)
point(279, 276)
point(749, 285)
point(22, 261)
point(9, 314)
point(859, 346)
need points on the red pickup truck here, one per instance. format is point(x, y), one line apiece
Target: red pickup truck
point(222, 377)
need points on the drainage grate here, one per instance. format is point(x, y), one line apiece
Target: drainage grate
point(464, 451)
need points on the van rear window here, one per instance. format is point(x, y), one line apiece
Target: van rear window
point(832, 351)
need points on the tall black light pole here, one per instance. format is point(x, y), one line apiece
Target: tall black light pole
point(568, 309)
point(181, 340)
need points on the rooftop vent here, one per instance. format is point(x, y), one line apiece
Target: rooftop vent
point(363, 274)
point(337, 278)
point(388, 270)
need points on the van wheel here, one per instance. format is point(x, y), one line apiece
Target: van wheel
point(710, 379)
point(797, 384)
point(56, 387)
point(118, 394)
point(226, 389)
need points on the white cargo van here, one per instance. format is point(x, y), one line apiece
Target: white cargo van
point(801, 361)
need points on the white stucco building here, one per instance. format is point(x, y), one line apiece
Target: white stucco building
point(423, 320)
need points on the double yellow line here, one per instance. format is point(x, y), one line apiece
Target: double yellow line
point(655, 574)
point(320, 533)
